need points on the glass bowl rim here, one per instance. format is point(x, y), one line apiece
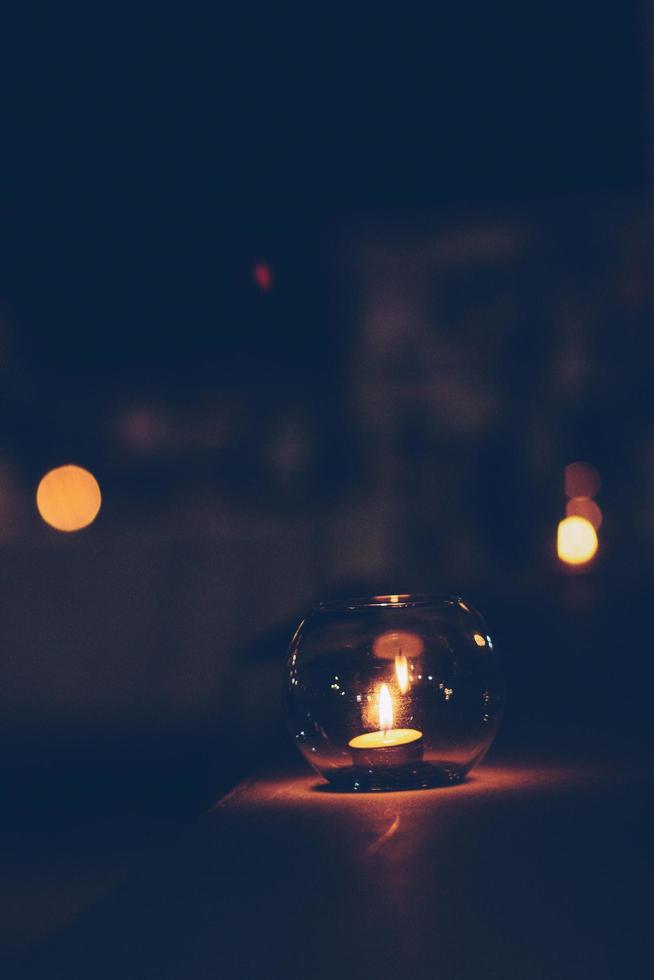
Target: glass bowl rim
point(403, 600)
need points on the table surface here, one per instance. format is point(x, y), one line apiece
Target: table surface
point(531, 868)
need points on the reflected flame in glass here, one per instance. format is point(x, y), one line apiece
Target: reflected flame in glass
point(402, 672)
point(385, 709)
point(576, 540)
point(479, 639)
point(394, 642)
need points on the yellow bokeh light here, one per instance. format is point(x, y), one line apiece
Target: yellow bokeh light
point(68, 498)
point(576, 540)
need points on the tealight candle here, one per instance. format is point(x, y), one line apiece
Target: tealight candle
point(389, 746)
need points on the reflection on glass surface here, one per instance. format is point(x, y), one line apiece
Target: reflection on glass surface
point(402, 672)
point(398, 642)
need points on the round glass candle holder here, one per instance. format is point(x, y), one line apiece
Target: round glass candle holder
point(393, 691)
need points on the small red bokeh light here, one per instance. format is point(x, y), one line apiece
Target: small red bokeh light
point(263, 277)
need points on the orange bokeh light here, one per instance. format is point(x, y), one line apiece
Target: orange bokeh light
point(479, 639)
point(581, 480)
point(576, 540)
point(68, 498)
point(388, 645)
point(584, 507)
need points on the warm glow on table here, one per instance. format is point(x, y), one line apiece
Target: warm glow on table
point(576, 540)
point(68, 498)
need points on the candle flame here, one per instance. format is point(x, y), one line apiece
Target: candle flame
point(385, 709)
point(402, 672)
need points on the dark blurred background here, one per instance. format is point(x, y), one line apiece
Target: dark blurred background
point(326, 304)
